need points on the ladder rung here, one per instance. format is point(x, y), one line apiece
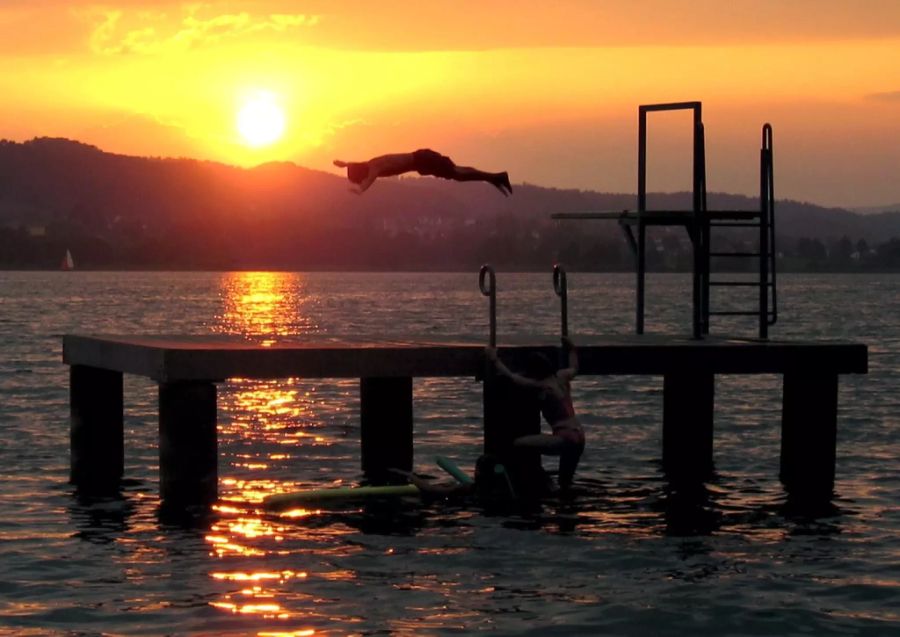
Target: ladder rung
point(733, 313)
point(739, 284)
point(739, 313)
point(735, 254)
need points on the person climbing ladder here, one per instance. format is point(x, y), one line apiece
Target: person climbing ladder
point(555, 396)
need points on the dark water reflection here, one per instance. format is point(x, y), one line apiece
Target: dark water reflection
point(631, 553)
point(101, 520)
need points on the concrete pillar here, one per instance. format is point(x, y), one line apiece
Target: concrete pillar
point(188, 445)
point(688, 401)
point(96, 429)
point(386, 427)
point(512, 411)
point(809, 433)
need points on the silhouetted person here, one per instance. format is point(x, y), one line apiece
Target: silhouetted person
point(425, 162)
point(555, 397)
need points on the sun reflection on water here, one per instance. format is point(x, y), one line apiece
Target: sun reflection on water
point(266, 305)
point(267, 424)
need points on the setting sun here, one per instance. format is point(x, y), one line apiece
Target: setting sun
point(261, 121)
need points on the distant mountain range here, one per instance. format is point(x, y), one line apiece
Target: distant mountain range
point(868, 210)
point(121, 211)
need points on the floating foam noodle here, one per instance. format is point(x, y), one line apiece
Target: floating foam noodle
point(319, 496)
point(448, 465)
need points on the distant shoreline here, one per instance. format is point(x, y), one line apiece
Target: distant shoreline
point(118, 213)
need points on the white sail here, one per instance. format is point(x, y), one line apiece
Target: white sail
point(68, 262)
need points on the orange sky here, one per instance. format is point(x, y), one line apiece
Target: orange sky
point(548, 91)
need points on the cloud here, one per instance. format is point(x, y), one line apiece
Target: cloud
point(148, 33)
point(154, 26)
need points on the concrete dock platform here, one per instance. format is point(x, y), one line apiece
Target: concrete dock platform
point(187, 369)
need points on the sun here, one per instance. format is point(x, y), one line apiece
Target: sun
point(260, 120)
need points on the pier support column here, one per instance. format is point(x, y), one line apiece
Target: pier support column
point(809, 433)
point(188, 454)
point(386, 427)
point(687, 438)
point(96, 429)
point(512, 411)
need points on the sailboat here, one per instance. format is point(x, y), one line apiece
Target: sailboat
point(67, 263)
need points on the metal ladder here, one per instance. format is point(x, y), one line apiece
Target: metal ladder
point(767, 310)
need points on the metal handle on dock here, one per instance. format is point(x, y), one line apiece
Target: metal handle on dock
point(562, 291)
point(490, 291)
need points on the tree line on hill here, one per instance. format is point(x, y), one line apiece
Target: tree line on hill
point(120, 212)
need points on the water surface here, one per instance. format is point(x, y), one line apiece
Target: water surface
point(629, 556)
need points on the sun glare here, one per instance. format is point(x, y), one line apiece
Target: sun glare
point(261, 121)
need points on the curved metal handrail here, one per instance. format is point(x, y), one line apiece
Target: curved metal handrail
point(767, 136)
point(562, 291)
point(487, 272)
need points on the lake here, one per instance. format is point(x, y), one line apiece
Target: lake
point(628, 556)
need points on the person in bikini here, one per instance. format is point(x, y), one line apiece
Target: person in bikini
point(555, 396)
point(423, 161)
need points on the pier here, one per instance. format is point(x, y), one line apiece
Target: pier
point(188, 369)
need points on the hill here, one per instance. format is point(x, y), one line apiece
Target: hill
point(116, 211)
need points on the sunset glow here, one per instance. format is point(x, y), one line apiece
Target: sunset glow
point(548, 93)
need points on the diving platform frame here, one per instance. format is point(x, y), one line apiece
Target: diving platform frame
point(699, 222)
